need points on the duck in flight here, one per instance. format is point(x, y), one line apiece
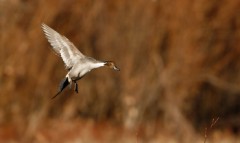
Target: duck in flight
point(76, 63)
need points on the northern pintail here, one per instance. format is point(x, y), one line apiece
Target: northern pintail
point(76, 63)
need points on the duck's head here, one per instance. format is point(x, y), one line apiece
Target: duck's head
point(111, 65)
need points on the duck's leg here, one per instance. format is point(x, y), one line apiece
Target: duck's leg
point(76, 87)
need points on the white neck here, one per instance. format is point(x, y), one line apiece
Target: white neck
point(97, 65)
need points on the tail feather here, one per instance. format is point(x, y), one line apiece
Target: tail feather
point(64, 83)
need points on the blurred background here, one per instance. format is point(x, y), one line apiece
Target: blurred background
point(179, 61)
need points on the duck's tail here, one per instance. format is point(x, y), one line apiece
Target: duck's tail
point(64, 83)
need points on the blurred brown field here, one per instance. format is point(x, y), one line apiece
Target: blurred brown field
point(179, 61)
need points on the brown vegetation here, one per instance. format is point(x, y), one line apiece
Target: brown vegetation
point(179, 61)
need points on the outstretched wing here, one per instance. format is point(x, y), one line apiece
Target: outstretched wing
point(62, 46)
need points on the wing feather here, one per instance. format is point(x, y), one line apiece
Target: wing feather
point(62, 46)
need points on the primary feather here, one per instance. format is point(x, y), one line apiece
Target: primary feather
point(62, 46)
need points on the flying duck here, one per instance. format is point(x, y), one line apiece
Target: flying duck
point(76, 63)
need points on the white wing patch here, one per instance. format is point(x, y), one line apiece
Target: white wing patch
point(62, 46)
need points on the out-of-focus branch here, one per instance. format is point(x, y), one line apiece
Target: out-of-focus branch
point(219, 83)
